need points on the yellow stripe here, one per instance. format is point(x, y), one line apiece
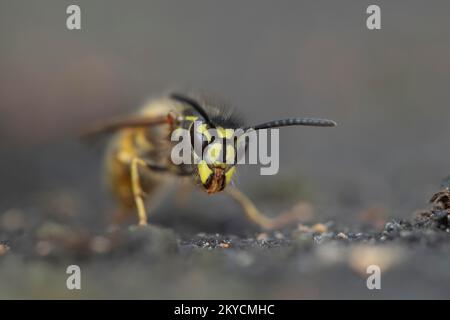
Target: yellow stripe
point(225, 133)
point(204, 171)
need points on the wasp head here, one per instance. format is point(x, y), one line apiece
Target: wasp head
point(215, 150)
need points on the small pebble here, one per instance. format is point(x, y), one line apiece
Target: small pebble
point(319, 228)
point(278, 235)
point(3, 249)
point(262, 237)
point(341, 235)
point(362, 256)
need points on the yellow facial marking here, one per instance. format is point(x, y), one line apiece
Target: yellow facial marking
point(204, 171)
point(229, 175)
point(214, 151)
point(190, 118)
point(225, 133)
point(214, 155)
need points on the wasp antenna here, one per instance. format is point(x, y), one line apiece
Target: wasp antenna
point(194, 104)
point(314, 122)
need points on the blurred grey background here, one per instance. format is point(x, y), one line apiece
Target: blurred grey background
point(387, 89)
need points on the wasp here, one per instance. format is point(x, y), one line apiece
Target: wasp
point(137, 161)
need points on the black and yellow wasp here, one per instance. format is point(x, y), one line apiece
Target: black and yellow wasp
point(138, 162)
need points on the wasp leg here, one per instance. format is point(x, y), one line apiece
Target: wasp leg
point(137, 190)
point(138, 193)
point(256, 216)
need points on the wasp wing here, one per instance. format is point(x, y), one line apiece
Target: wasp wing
point(115, 124)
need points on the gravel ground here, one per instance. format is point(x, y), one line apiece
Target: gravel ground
point(314, 260)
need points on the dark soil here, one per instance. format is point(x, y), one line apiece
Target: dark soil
point(305, 261)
